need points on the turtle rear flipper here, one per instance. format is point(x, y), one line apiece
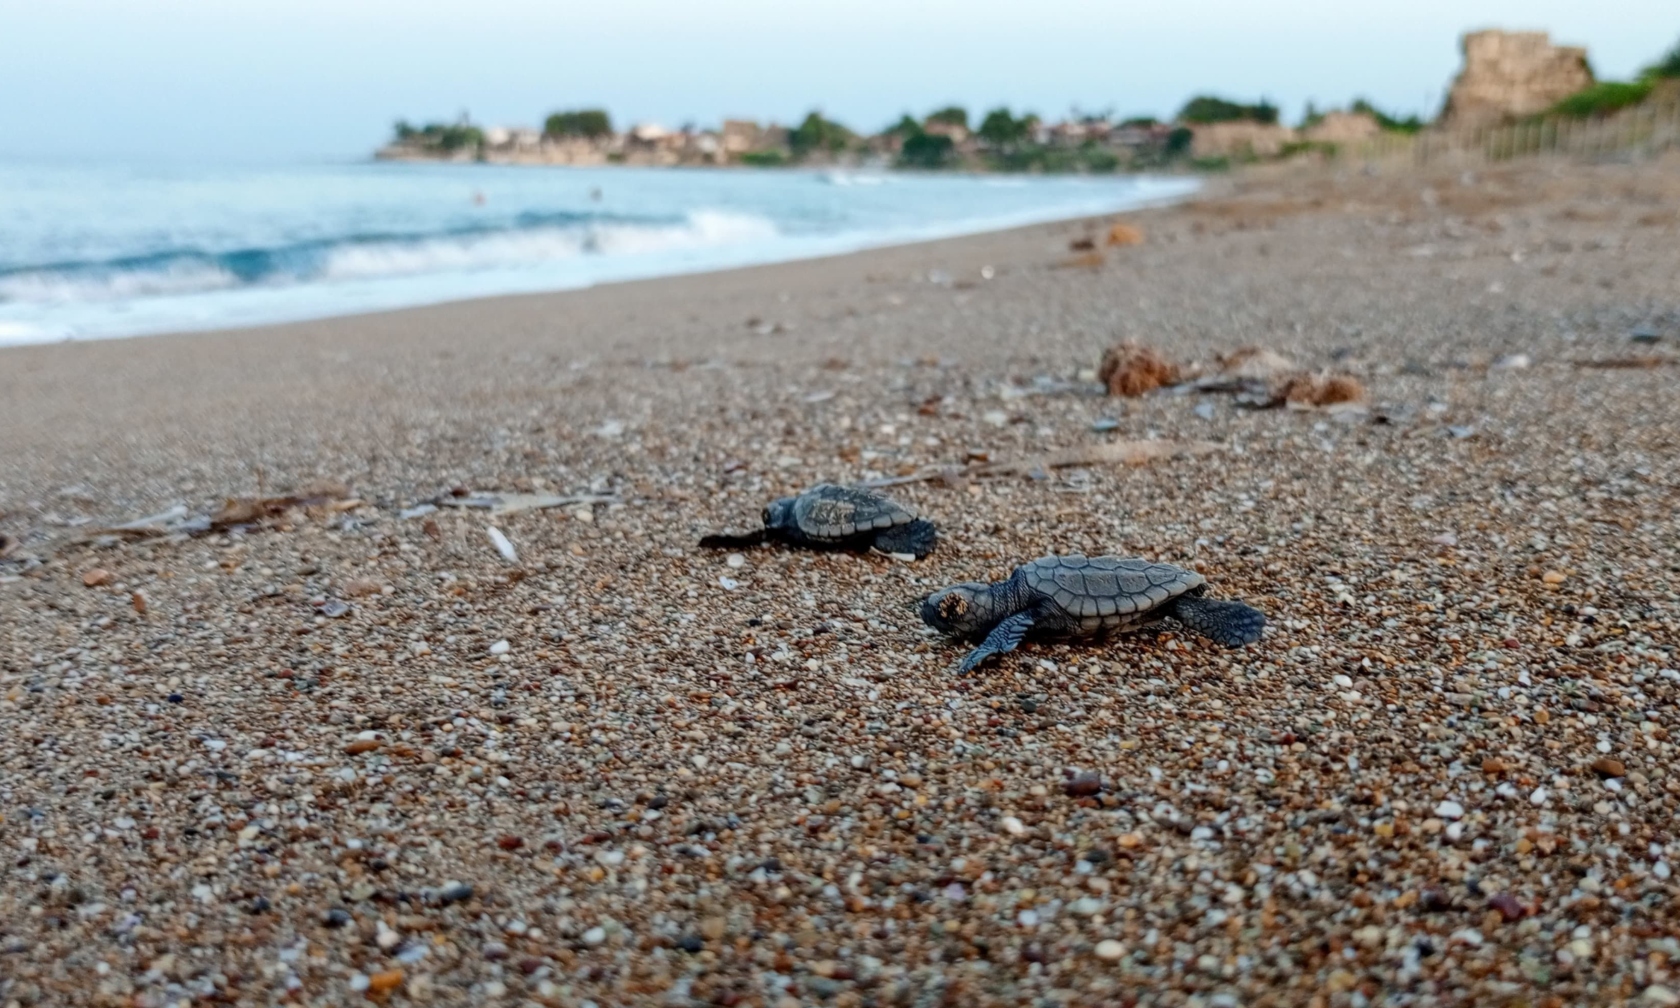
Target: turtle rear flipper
point(1232, 624)
point(728, 541)
point(916, 538)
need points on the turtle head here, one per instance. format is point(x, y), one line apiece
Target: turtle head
point(779, 514)
point(964, 610)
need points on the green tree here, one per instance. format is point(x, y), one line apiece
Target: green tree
point(1604, 98)
point(905, 127)
point(1001, 129)
point(589, 123)
point(403, 131)
point(951, 115)
point(817, 134)
point(1204, 109)
point(927, 150)
point(1410, 124)
point(1668, 66)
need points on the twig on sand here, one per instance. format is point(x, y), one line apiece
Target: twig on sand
point(1108, 453)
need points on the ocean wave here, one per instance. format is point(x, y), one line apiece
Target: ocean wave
point(529, 239)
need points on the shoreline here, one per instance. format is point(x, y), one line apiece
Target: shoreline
point(318, 299)
point(620, 768)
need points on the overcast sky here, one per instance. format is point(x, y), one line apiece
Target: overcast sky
point(311, 79)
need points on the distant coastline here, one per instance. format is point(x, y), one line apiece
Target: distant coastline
point(1508, 79)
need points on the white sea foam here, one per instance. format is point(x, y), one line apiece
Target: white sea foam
point(107, 252)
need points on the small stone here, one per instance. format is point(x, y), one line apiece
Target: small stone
point(736, 560)
point(691, 944)
point(997, 418)
point(334, 608)
point(1110, 950)
point(1553, 577)
point(381, 984)
point(1083, 785)
point(1450, 810)
point(96, 577)
point(510, 842)
point(1494, 767)
point(1657, 994)
point(1103, 425)
point(728, 583)
point(454, 892)
point(1013, 826)
point(335, 918)
point(1130, 840)
point(595, 936)
point(1205, 410)
point(361, 587)
point(1538, 796)
point(1607, 768)
point(1508, 906)
point(501, 647)
point(362, 746)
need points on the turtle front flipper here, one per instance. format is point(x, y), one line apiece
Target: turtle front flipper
point(915, 538)
point(728, 541)
point(1004, 638)
point(1231, 624)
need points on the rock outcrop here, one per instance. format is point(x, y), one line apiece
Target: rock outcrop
point(1508, 75)
point(1343, 128)
point(1240, 139)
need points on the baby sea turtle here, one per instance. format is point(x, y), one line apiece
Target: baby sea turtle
point(838, 517)
point(1078, 596)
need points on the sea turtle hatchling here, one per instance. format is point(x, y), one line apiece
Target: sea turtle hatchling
point(828, 516)
point(1079, 596)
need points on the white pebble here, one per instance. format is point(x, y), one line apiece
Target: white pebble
point(595, 936)
point(1013, 826)
point(1110, 949)
point(501, 647)
point(736, 560)
point(1450, 810)
point(503, 546)
point(728, 583)
point(1539, 796)
point(1027, 918)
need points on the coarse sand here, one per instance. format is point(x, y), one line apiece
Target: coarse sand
point(350, 752)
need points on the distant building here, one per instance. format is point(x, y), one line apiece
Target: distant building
point(740, 136)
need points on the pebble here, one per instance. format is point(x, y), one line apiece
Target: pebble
point(501, 647)
point(1606, 767)
point(97, 577)
point(1110, 950)
point(1013, 826)
point(1103, 425)
point(728, 583)
point(736, 560)
point(1449, 810)
point(1553, 577)
point(1657, 994)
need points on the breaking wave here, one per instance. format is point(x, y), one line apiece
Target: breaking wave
point(530, 239)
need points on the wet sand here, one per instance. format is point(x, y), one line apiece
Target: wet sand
point(344, 753)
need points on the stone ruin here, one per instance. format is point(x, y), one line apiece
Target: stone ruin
point(1508, 75)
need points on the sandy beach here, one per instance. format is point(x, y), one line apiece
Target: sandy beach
point(336, 753)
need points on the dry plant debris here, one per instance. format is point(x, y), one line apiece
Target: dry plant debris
point(1131, 369)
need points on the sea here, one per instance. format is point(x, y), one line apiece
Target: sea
point(107, 250)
